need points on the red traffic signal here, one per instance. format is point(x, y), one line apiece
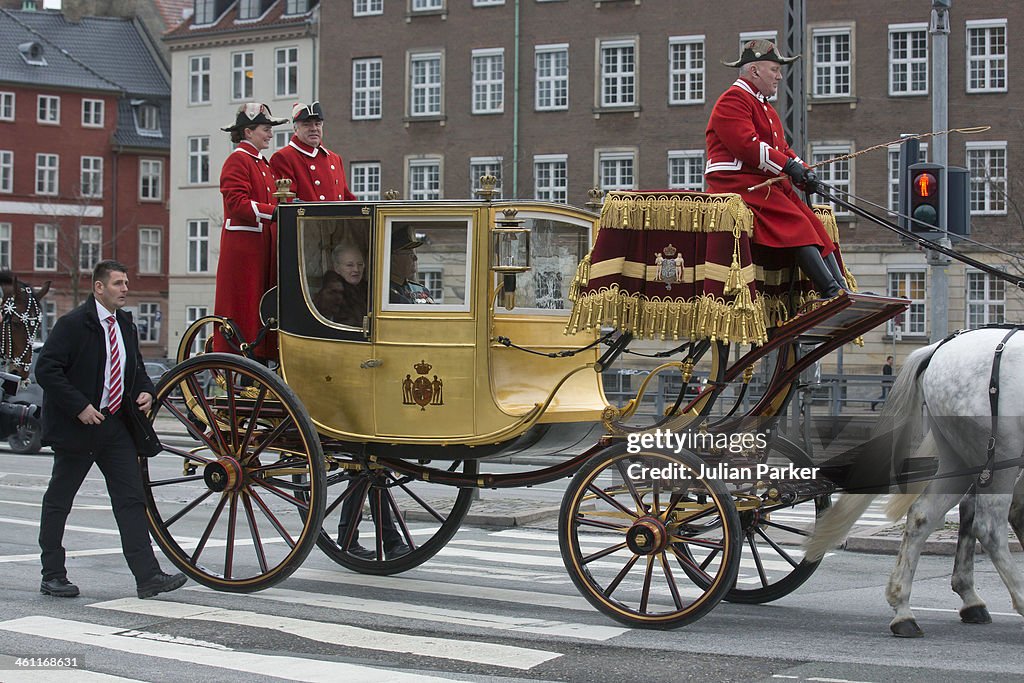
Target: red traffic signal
point(926, 196)
point(925, 185)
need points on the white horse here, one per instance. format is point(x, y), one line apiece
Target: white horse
point(952, 381)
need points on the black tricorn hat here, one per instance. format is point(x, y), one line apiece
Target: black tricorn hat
point(402, 237)
point(761, 51)
point(304, 112)
point(253, 114)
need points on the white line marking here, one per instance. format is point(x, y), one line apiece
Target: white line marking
point(65, 676)
point(349, 636)
point(956, 611)
point(135, 642)
point(69, 527)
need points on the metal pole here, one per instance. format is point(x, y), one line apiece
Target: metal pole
point(794, 114)
point(938, 286)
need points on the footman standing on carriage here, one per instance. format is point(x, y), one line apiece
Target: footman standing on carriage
point(247, 267)
point(746, 145)
point(317, 173)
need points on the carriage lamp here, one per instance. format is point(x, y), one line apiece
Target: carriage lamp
point(284, 192)
point(510, 253)
point(488, 187)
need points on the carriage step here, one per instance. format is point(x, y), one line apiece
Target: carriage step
point(843, 318)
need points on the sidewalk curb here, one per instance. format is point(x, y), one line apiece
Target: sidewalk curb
point(886, 540)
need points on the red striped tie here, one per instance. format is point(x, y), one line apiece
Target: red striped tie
point(114, 380)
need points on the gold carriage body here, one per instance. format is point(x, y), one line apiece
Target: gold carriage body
point(435, 373)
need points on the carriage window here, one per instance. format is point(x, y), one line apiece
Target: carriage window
point(336, 268)
point(557, 245)
point(427, 264)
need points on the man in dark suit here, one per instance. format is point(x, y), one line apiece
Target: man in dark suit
point(91, 371)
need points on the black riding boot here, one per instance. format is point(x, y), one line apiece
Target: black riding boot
point(810, 261)
point(837, 272)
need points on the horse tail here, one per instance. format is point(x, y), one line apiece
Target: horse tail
point(835, 524)
point(899, 504)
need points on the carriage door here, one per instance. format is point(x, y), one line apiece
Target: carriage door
point(425, 355)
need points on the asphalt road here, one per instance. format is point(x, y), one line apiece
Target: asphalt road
point(495, 604)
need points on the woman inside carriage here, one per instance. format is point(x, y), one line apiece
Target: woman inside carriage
point(343, 295)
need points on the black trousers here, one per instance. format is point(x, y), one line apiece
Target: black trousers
point(116, 457)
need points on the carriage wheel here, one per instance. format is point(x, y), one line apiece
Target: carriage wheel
point(198, 338)
point(242, 503)
point(630, 537)
point(418, 514)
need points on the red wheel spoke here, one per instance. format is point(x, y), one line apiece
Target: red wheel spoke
point(397, 517)
point(192, 429)
point(584, 521)
point(251, 424)
point(655, 498)
point(232, 412)
point(229, 547)
point(783, 527)
point(189, 455)
point(423, 504)
point(296, 460)
point(349, 491)
point(757, 561)
point(176, 480)
point(271, 517)
point(699, 542)
point(620, 576)
point(665, 567)
point(254, 531)
point(645, 594)
point(209, 530)
point(302, 505)
point(359, 488)
point(616, 504)
point(211, 420)
point(685, 561)
point(587, 559)
point(777, 548)
point(185, 510)
point(271, 438)
point(673, 501)
point(630, 486)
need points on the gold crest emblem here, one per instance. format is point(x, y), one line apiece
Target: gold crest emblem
point(669, 266)
point(422, 391)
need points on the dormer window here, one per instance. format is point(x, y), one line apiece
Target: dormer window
point(206, 11)
point(32, 53)
point(250, 9)
point(296, 7)
point(147, 119)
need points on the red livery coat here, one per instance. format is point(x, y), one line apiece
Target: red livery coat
point(317, 175)
point(247, 266)
point(746, 145)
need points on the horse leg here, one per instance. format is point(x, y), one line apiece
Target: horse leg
point(1016, 516)
point(990, 530)
point(973, 610)
point(924, 517)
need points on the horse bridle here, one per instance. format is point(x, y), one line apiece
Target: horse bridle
point(30, 318)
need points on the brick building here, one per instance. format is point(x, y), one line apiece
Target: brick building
point(84, 132)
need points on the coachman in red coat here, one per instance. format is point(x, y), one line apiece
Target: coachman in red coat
point(746, 145)
point(317, 173)
point(247, 266)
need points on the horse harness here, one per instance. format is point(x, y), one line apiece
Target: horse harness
point(985, 475)
point(30, 318)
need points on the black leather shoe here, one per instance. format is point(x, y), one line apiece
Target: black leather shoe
point(362, 553)
point(58, 588)
point(396, 550)
point(160, 583)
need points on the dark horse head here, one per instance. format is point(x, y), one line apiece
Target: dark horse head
point(21, 316)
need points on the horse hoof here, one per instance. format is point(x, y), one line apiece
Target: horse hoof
point(977, 614)
point(907, 628)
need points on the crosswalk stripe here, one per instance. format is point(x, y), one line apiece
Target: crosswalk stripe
point(406, 610)
point(476, 651)
point(65, 675)
point(147, 644)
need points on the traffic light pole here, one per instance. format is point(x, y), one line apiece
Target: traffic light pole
point(938, 285)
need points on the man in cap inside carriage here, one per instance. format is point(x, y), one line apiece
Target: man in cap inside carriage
point(403, 289)
point(317, 173)
point(746, 145)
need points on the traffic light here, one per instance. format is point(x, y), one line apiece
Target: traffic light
point(926, 196)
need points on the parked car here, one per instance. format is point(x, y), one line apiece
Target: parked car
point(156, 369)
point(28, 437)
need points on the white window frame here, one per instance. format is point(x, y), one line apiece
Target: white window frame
point(488, 88)
point(286, 71)
point(839, 174)
point(426, 5)
point(992, 188)
point(199, 79)
point(833, 67)
point(988, 61)
point(427, 90)
point(91, 184)
point(5, 246)
point(48, 110)
point(8, 101)
point(553, 84)
point(991, 305)
point(151, 239)
point(148, 322)
point(367, 88)
point(147, 120)
point(47, 174)
point(92, 113)
point(281, 139)
point(367, 8)
point(693, 163)
point(243, 75)
point(918, 309)
point(622, 163)
point(488, 3)
point(365, 184)
point(479, 166)
point(151, 180)
point(893, 161)
point(197, 235)
point(460, 306)
point(192, 314)
point(198, 151)
point(552, 191)
point(294, 7)
point(90, 247)
point(45, 247)
point(205, 12)
point(6, 170)
point(908, 62)
point(620, 87)
point(691, 72)
point(249, 10)
point(432, 277)
point(415, 168)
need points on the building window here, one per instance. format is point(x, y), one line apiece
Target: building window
point(199, 80)
point(908, 59)
point(986, 56)
point(46, 247)
point(242, 76)
point(427, 5)
point(147, 120)
point(250, 9)
point(551, 177)
point(286, 60)
point(433, 280)
point(616, 170)
point(92, 176)
point(6, 170)
point(199, 160)
point(148, 322)
point(894, 173)
point(686, 170)
point(5, 246)
point(92, 113)
point(987, 164)
point(150, 250)
point(986, 299)
point(365, 183)
point(363, 8)
point(618, 73)
point(192, 314)
point(366, 88)
point(487, 3)
point(489, 81)
point(48, 109)
point(424, 179)
point(425, 84)
point(481, 166)
point(552, 66)
point(832, 63)
point(281, 139)
point(838, 174)
point(151, 175)
point(205, 11)
point(49, 319)
point(199, 246)
point(6, 106)
point(47, 166)
point(909, 285)
point(296, 6)
point(686, 70)
point(90, 247)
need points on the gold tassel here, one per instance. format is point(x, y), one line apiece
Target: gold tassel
point(849, 280)
point(734, 282)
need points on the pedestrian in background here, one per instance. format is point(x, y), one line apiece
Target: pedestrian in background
point(886, 381)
